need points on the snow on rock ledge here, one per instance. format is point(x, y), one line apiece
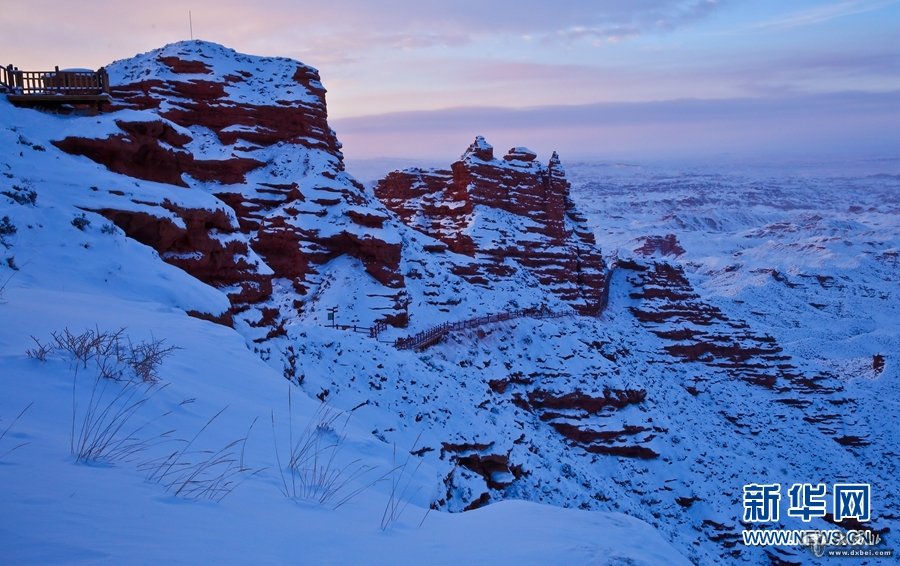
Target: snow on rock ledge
point(511, 215)
point(252, 131)
point(275, 99)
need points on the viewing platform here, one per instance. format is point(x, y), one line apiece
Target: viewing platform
point(56, 87)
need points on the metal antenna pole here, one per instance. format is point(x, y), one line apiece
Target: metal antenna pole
point(191, 23)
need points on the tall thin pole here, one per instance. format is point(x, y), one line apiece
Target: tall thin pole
point(191, 23)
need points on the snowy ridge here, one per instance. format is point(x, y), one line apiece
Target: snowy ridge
point(216, 63)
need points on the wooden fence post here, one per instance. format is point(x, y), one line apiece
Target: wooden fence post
point(13, 82)
point(103, 78)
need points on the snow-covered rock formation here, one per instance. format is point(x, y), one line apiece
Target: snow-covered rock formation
point(210, 206)
point(253, 133)
point(501, 210)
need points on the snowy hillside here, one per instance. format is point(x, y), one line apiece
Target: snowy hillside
point(169, 235)
point(749, 337)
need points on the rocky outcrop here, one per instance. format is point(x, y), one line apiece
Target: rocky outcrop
point(189, 91)
point(204, 243)
point(512, 214)
point(697, 331)
point(572, 415)
point(430, 202)
point(663, 245)
point(201, 116)
point(154, 151)
point(476, 465)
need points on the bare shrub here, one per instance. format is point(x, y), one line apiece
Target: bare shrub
point(314, 471)
point(21, 195)
point(89, 345)
point(7, 228)
point(112, 379)
point(39, 352)
point(202, 474)
point(114, 354)
point(81, 222)
point(146, 357)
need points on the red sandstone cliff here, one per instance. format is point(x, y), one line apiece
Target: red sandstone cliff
point(506, 213)
point(252, 131)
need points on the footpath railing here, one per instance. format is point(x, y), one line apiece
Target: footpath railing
point(16, 81)
point(373, 331)
point(438, 332)
point(435, 333)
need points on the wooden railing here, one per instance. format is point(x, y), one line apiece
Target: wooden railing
point(373, 331)
point(436, 333)
point(377, 329)
point(56, 82)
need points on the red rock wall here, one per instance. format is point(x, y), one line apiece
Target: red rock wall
point(269, 218)
point(443, 204)
point(216, 261)
point(137, 152)
point(205, 103)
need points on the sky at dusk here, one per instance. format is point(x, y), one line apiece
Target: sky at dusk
point(593, 79)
